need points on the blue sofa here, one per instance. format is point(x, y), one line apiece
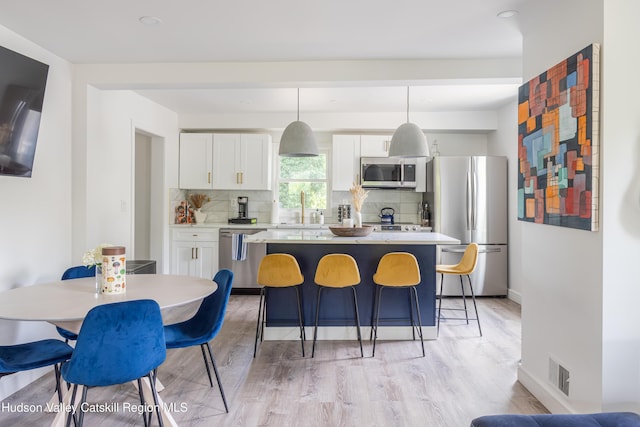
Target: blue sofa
point(604, 419)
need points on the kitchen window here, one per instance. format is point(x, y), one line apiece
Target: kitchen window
point(308, 174)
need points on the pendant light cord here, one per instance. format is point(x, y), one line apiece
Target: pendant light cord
point(298, 117)
point(407, 104)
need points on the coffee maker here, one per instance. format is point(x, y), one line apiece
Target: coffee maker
point(243, 212)
point(243, 207)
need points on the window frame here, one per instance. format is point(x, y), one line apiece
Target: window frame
point(327, 181)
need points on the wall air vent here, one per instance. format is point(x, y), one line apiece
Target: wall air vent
point(559, 376)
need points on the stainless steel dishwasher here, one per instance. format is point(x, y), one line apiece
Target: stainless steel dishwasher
point(245, 273)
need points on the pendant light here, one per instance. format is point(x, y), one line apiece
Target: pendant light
point(298, 139)
point(409, 140)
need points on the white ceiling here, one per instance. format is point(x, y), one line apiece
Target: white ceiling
point(90, 31)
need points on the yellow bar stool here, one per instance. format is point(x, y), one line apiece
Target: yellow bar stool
point(465, 267)
point(337, 271)
point(278, 271)
point(398, 270)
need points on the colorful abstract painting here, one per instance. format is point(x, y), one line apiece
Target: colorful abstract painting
point(558, 143)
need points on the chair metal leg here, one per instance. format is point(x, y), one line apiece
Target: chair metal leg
point(300, 318)
point(439, 306)
point(56, 370)
point(415, 294)
point(206, 364)
point(355, 307)
point(154, 392)
point(72, 413)
point(260, 313)
point(142, 403)
point(473, 297)
point(215, 370)
point(82, 400)
point(375, 327)
point(315, 329)
point(464, 300)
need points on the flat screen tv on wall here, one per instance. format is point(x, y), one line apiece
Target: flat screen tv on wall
point(22, 84)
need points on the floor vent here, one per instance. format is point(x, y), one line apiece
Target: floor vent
point(559, 376)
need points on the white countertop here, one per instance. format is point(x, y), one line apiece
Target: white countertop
point(326, 237)
point(261, 225)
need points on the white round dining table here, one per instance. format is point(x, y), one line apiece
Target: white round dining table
point(65, 303)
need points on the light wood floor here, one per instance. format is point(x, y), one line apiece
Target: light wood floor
point(463, 376)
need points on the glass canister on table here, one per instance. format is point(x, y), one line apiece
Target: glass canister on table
point(114, 268)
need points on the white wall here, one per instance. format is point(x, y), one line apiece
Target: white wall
point(560, 270)
point(112, 119)
point(35, 216)
point(620, 208)
point(504, 142)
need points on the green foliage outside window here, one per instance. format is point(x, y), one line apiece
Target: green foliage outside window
point(308, 174)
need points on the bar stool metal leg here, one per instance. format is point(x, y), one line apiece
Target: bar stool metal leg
point(315, 329)
point(419, 327)
point(261, 309)
point(355, 307)
point(473, 297)
point(300, 319)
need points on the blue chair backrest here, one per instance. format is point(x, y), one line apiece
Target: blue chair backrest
point(117, 343)
point(208, 319)
point(78, 272)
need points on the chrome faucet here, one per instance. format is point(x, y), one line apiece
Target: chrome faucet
point(302, 205)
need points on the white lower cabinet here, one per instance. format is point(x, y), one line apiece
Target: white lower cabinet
point(194, 252)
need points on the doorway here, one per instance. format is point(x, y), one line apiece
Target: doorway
point(147, 197)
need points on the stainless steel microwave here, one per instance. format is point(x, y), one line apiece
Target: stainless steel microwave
point(387, 172)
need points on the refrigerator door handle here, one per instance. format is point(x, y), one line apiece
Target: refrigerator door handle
point(469, 209)
point(474, 201)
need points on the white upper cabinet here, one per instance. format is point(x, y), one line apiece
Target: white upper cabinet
point(196, 161)
point(374, 145)
point(345, 162)
point(242, 161)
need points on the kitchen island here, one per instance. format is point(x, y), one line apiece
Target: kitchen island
point(336, 315)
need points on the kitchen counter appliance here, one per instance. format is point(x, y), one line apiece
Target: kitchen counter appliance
point(243, 213)
point(245, 273)
point(387, 172)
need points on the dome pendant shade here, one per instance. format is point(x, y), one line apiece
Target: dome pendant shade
point(298, 141)
point(409, 141)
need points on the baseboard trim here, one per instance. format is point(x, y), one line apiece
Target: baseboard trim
point(551, 399)
point(346, 333)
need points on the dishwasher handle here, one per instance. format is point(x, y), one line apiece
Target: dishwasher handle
point(228, 232)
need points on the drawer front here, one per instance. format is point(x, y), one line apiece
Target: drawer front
point(210, 234)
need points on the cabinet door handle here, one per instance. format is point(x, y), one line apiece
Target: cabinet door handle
point(192, 252)
point(241, 177)
point(209, 178)
point(196, 253)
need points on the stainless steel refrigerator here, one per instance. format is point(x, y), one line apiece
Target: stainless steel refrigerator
point(469, 198)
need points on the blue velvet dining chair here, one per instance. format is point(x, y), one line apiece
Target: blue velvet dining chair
point(204, 325)
point(33, 355)
point(76, 272)
point(118, 342)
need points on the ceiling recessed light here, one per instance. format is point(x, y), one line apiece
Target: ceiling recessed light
point(150, 20)
point(505, 14)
